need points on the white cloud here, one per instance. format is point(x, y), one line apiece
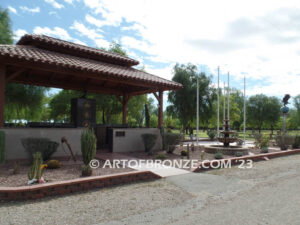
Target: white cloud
point(56, 32)
point(31, 10)
point(71, 1)
point(12, 9)
point(55, 4)
point(257, 37)
point(91, 34)
point(19, 33)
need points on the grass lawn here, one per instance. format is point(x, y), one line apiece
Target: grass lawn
point(203, 134)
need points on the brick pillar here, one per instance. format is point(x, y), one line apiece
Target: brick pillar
point(2, 94)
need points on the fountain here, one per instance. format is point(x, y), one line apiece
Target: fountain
point(227, 137)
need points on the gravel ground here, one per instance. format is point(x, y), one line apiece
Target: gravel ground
point(266, 194)
point(68, 171)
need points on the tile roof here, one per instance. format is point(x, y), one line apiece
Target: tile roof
point(42, 56)
point(57, 45)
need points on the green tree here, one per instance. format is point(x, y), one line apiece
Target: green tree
point(60, 105)
point(183, 101)
point(6, 34)
point(21, 101)
point(263, 111)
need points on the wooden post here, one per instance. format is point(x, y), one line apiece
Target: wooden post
point(125, 103)
point(160, 109)
point(2, 94)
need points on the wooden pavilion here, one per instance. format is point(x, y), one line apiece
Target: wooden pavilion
point(50, 62)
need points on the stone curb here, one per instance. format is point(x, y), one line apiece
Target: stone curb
point(71, 186)
point(237, 160)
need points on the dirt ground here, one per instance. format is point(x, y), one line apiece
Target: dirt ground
point(268, 193)
point(68, 171)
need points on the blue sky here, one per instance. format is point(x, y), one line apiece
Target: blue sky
point(252, 38)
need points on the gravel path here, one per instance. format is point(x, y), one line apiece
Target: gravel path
point(266, 194)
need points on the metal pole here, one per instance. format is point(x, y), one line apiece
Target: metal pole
point(197, 104)
point(218, 116)
point(224, 106)
point(244, 109)
point(228, 96)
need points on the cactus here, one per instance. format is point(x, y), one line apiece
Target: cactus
point(2, 146)
point(88, 145)
point(35, 171)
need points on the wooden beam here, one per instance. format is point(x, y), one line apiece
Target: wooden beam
point(71, 86)
point(125, 99)
point(156, 96)
point(98, 76)
point(160, 109)
point(2, 93)
point(15, 74)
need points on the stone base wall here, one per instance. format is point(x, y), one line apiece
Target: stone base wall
point(15, 149)
point(132, 141)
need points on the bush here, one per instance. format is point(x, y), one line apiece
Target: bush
point(264, 150)
point(283, 141)
point(43, 145)
point(258, 139)
point(171, 140)
point(264, 142)
point(161, 156)
point(239, 154)
point(88, 145)
point(149, 142)
point(296, 143)
point(2, 146)
point(53, 164)
point(211, 134)
point(219, 155)
point(184, 153)
point(86, 171)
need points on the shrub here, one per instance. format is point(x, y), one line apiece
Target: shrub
point(88, 145)
point(219, 155)
point(36, 169)
point(264, 150)
point(43, 145)
point(283, 141)
point(86, 171)
point(239, 154)
point(2, 146)
point(184, 153)
point(258, 139)
point(171, 140)
point(296, 143)
point(264, 142)
point(161, 156)
point(53, 164)
point(211, 134)
point(149, 142)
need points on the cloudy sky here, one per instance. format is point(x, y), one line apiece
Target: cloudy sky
point(258, 39)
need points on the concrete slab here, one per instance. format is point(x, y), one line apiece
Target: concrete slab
point(159, 169)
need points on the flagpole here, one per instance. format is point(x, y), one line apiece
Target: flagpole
point(197, 105)
point(228, 96)
point(218, 116)
point(224, 106)
point(244, 109)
